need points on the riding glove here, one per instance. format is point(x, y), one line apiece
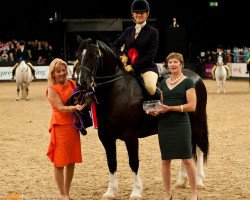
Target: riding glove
point(128, 68)
point(124, 58)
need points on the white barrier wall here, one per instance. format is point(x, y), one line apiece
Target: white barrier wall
point(41, 72)
point(238, 69)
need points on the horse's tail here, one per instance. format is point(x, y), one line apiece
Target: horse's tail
point(199, 123)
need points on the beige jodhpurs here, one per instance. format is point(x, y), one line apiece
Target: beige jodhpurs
point(150, 80)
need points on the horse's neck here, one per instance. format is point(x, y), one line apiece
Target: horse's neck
point(109, 67)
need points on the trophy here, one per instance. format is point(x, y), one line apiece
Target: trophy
point(153, 105)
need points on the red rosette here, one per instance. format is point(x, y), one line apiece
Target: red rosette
point(133, 55)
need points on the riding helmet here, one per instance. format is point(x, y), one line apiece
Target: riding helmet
point(140, 6)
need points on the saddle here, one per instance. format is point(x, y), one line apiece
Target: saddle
point(214, 68)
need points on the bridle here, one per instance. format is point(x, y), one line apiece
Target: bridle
point(102, 80)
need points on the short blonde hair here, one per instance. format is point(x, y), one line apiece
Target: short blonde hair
point(54, 65)
point(177, 56)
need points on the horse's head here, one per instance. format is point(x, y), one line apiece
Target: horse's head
point(88, 56)
point(96, 61)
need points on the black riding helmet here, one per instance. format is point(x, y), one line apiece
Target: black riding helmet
point(22, 42)
point(140, 6)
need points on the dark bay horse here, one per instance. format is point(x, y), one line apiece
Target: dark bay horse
point(120, 112)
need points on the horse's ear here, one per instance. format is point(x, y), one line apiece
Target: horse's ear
point(79, 39)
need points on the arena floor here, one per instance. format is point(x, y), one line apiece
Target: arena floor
point(26, 171)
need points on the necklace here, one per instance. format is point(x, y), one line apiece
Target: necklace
point(176, 80)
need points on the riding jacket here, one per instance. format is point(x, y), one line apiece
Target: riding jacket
point(22, 55)
point(146, 43)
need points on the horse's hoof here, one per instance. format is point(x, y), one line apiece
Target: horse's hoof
point(108, 198)
point(17, 99)
point(180, 186)
point(200, 186)
point(135, 198)
point(181, 183)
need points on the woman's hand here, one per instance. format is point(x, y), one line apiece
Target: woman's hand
point(80, 107)
point(163, 109)
point(153, 112)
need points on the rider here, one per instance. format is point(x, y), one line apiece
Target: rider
point(23, 54)
point(139, 43)
point(220, 53)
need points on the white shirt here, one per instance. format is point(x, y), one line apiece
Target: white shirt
point(138, 28)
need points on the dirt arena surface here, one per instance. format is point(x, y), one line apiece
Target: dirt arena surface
point(26, 171)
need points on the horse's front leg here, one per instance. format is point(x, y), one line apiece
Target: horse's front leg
point(223, 85)
point(218, 86)
point(132, 144)
point(17, 92)
point(27, 92)
point(110, 148)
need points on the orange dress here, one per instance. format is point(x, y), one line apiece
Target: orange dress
point(65, 144)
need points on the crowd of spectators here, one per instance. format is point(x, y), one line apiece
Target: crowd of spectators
point(41, 52)
point(235, 55)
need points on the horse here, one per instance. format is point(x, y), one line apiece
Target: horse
point(23, 78)
point(221, 73)
point(120, 115)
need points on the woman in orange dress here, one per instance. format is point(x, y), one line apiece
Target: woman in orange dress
point(65, 145)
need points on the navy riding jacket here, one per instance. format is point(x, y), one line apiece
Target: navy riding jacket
point(23, 55)
point(146, 44)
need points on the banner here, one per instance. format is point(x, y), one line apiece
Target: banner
point(238, 69)
point(41, 72)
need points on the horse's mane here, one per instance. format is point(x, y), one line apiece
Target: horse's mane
point(108, 50)
point(105, 47)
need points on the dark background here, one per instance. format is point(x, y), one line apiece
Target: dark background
point(204, 27)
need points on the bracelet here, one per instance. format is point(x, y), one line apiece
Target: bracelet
point(181, 108)
point(71, 108)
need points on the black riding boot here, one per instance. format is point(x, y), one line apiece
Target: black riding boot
point(157, 95)
point(13, 73)
point(33, 73)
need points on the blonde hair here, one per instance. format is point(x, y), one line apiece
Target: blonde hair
point(54, 65)
point(177, 56)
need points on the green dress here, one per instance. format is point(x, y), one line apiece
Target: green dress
point(174, 129)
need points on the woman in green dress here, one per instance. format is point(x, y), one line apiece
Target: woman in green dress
point(174, 129)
